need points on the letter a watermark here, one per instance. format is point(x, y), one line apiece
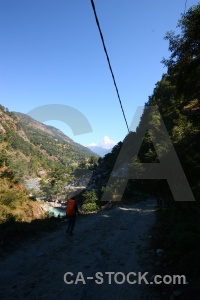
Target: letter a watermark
point(168, 168)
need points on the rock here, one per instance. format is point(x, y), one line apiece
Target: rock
point(158, 264)
point(14, 286)
point(177, 293)
point(152, 278)
point(38, 254)
point(164, 265)
point(159, 251)
point(152, 251)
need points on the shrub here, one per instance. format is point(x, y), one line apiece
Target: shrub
point(89, 201)
point(89, 197)
point(89, 207)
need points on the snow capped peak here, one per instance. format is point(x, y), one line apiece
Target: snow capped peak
point(106, 143)
point(102, 147)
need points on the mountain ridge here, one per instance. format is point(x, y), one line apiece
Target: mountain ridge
point(32, 145)
point(55, 132)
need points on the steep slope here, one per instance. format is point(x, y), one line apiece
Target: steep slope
point(32, 127)
point(15, 204)
point(35, 148)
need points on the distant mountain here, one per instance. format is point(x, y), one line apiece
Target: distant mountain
point(99, 150)
point(103, 147)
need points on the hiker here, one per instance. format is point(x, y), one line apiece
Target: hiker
point(71, 211)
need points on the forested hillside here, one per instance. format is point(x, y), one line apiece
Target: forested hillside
point(34, 148)
point(35, 129)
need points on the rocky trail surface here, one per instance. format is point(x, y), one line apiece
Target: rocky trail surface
point(108, 241)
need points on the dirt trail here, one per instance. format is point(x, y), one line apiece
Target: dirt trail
point(109, 241)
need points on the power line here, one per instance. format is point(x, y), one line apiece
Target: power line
point(185, 6)
point(98, 25)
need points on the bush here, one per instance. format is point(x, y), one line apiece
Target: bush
point(89, 197)
point(11, 198)
point(89, 201)
point(5, 213)
point(89, 207)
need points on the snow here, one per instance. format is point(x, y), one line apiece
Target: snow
point(106, 143)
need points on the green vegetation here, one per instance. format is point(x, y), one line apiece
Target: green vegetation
point(20, 217)
point(14, 202)
point(90, 201)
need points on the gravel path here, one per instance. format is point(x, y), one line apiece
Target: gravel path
point(108, 241)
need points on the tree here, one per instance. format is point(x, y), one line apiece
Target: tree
point(92, 162)
point(184, 62)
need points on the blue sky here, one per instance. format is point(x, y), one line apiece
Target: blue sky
point(51, 53)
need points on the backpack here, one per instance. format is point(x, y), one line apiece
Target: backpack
point(71, 208)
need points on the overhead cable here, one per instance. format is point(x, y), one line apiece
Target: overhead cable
point(185, 6)
point(98, 25)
